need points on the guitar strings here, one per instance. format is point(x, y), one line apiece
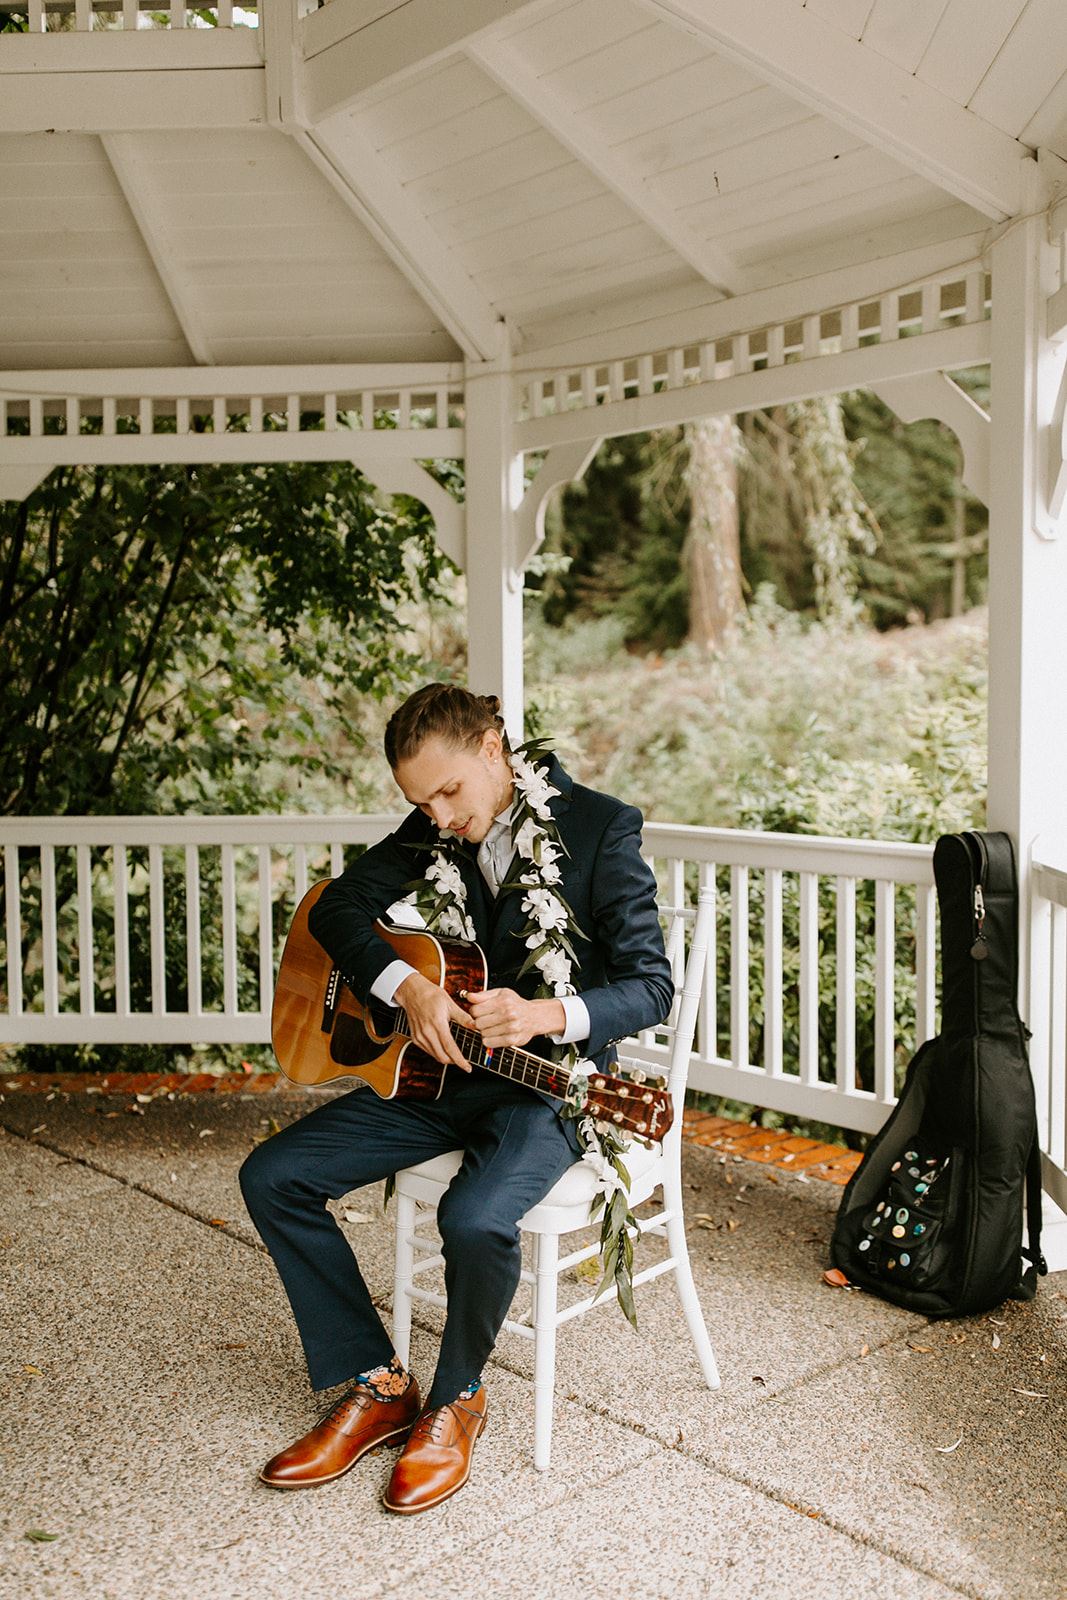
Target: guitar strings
point(532, 1071)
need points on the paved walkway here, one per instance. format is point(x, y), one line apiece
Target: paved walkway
point(150, 1366)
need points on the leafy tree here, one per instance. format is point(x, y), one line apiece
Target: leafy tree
point(167, 629)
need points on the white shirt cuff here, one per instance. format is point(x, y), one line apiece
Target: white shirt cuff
point(388, 982)
point(576, 1024)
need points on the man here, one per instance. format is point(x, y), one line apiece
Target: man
point(449, 755)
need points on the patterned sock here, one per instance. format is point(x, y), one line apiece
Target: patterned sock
point(470, 1391)
point(386, 1383)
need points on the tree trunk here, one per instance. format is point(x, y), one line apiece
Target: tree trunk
point(712, 550)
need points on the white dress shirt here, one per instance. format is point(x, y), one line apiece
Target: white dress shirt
point(494, 856)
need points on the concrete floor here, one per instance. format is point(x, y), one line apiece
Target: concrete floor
point(151, 1365)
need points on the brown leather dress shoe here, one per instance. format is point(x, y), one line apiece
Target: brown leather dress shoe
point(436, 1461)
point(349, 1429)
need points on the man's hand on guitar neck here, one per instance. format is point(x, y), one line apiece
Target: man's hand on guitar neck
point(430, 1011)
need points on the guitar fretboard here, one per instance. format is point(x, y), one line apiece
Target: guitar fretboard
point(507, 1060)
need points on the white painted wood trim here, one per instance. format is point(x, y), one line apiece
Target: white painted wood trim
point(408, 477)
point(353, 55)
point(847, 81)
point(348, 159)
point(121, 152)
point(564, 464)
point(506, 67)
point(782, 303)
point(935, 394)
point(961, 346)
point(131, 102)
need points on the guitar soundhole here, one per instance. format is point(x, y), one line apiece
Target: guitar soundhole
point(351, 1044)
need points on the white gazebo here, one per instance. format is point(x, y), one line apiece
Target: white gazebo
point(398, 230)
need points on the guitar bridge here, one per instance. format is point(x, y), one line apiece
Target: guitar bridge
point(329, 1000)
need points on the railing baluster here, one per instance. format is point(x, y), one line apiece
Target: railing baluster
point(1057, 1037)
point(708, 1022)
point(846, 985)
point(36, 16)
point(156, 930)
point(884, 987)
point(122, 931)
point(739, 967)
point(773, 1022)
point(925, 964)
point(49, 947)
point(13, 897)
point(83, 17)
point(86, 952)
point(178, 17)
point(192, 931)
point(130, 10)
point(300, 873)
point(809, 978)
point(229, 932)
point(266, 932)
point(225, 13)
point(337, 859)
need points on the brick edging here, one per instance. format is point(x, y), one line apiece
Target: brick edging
point(788, 1152)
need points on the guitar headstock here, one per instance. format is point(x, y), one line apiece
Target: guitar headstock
point(638, 1105)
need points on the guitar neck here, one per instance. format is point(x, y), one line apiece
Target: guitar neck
point(507, 1061)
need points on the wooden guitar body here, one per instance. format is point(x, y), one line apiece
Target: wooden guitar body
point(319, 1036)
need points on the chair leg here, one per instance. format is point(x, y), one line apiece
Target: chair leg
point(403, 1276)
point(687, 1293)
point(546, 1264)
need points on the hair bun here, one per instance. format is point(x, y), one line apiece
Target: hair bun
point(491, 704)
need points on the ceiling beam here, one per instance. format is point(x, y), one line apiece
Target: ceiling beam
point(348, 57)
point(131, 102)
point(147, 213)
point(503, 64)
point(818, 64)
point(344, 154)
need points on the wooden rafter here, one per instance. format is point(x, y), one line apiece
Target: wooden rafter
point(504, 65)
point(146, 213)
point(890, 108)
point(355, 169)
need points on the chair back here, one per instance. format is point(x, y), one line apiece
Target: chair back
point(680, 1027)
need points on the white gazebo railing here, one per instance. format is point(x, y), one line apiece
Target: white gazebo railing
point(168, 929)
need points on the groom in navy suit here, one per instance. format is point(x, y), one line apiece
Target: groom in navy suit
point(449, 754)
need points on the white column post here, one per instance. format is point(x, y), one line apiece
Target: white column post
point(1027, 581)
point(494, 575)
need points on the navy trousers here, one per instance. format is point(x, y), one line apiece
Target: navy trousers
point(516, 1147)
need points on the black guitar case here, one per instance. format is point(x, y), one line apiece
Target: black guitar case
point(932, 1218)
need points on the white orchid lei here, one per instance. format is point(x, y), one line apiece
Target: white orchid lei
point(440, 897)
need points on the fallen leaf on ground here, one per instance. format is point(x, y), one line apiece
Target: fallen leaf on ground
point(947, 1449)
point(38, 1535)
point(204, 1132)
point(762, 1381)
point(996, 1341)
point(1033, 1393)
point(41, 1126)
point(35, 1372)
point(923, 1349)
point(356, 1216)
point(233, 1346)
point(218, 1222)
point(865, 1349)
point(733, 1224)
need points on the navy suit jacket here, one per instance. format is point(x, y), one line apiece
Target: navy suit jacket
point(622, 972)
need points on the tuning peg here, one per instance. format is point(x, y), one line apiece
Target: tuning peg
point(624, 1092)
point(617, 1116)
point(637, 1077)
point(648, 1097)
point(598, 1083)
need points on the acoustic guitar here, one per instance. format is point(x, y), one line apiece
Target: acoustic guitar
point(320, 1031)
